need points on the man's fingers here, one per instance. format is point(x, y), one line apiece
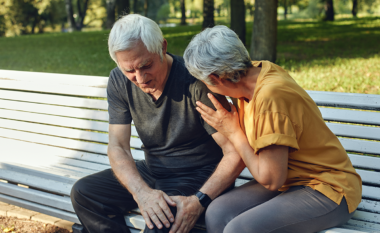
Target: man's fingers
point(161, 216)
point(154, 218)
point(169, 200)
point(147, 219)
point(176, 225)
point(167, 213)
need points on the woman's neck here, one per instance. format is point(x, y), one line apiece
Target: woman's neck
point(249, 81)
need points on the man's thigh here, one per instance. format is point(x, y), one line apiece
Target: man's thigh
point(102, 192)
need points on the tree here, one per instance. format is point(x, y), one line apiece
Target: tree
point(77, 23)
point(111, 6)
point(329, 10)
point(146, 6)
point(123, 7)
point(264, 32)
point(183, 12)
point(238, 18)
point(208, 14)
point(354, 8)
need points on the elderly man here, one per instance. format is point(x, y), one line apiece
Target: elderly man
point(184, 168)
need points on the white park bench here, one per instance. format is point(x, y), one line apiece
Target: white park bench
point(53, 131)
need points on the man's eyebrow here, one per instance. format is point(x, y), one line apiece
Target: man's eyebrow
point(140, 66)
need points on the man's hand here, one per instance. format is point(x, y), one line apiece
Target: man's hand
point(154, 207)
point(188, 211)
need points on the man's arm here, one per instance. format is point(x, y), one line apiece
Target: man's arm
point(152, 202)
point(188, 208)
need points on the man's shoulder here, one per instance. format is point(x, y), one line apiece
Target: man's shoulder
point(116, 73)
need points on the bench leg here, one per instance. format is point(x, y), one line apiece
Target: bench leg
point(77, 228)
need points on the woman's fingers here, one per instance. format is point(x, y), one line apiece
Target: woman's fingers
point(205, 108)
point(215, 102)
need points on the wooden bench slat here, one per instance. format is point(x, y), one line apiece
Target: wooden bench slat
point(54, 99)
point(54, 141)
point(54, 120)
point(54, 89)
point(360, 146)
point(369, 177)
point(42, 77)
point(55, 110)
point(369, 206)
point(371, 192)
point(48, 199)
point(55, 131)
point(33, 149)
point(346, 100)
point(341, 230)
point(33, 178)
point(367, 162)
point(355, 131)
point(61, 142)
point(40, 208)
point(350, 116)
point(364, 226)
point(366, 216)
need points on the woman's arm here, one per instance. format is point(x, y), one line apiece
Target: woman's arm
point(269, 166)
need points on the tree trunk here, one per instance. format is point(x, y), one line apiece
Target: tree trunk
point(70, 16)
point(208, 14)
point(329, 10)
point(354, 8)
point(135, 6)
point(238, 18)
point(146, 5)
point(285, 8)
point(111, 4)
point(183, 12)
point(82, 14)
point(264, 31)
point(123, 7)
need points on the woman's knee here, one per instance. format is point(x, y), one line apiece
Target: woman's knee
point(217, 214)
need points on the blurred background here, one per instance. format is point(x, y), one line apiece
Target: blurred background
point(327, 45)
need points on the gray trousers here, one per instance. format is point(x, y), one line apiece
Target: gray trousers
point(252, 208)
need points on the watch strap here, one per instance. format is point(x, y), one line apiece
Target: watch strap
point(204, 199)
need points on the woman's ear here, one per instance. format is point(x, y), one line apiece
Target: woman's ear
point(215, 79)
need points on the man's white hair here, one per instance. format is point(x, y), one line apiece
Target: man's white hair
point(132, 28)
point(218, 51)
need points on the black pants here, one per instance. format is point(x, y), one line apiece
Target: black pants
point(98, 196)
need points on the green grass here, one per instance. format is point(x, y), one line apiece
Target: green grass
point(339, 56)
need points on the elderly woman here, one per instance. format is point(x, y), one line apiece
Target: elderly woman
point(303, 178)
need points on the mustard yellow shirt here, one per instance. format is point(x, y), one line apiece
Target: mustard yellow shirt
point(282, 113)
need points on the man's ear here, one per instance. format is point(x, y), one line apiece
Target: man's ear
point(164, 46)
point(215, 79)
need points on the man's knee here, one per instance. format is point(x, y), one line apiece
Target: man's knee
point(79, 188)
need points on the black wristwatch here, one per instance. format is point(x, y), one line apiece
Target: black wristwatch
point(204, 199)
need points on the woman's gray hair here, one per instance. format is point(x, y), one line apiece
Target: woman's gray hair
point(132, 28)
point(218, 51)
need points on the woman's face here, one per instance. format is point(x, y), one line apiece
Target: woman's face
point(226, 88)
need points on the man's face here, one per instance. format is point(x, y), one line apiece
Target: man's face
point(144, 69)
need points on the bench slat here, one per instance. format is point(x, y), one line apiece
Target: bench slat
point(33, 178)
point(360, 146)
point(40, 208)
point(54, 141)
point(355, 131)
point(42, 77)
point(371, 192)
point(55, 110)
point(346, 100)
point(54, 99)
point(350, 116)
point(366, 216)
point(367, 162)
point(365, 226)
point(48, 199)
point(55, 120)
point(53, 88)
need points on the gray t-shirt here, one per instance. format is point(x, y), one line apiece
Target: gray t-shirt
point(175, 137)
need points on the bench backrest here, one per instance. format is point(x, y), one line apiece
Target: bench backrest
point(58, 124)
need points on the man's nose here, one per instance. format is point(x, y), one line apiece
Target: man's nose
point(140, 76)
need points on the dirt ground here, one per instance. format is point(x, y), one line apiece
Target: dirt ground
point(13, 225)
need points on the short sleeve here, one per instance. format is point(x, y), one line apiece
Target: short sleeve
point(118, 108)
point(273, 128)
point(200, 94)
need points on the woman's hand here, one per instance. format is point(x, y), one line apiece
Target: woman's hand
point(227, 123)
